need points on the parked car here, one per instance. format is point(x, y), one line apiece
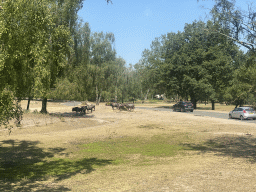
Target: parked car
point(183, 106)
point(243, 113)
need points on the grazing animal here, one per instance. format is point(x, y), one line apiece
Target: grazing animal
point(91, 107)
point(130, 106)
point(81, 109)
point(115, 105)
point(122, 106)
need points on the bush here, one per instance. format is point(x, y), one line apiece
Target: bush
point(108, 103)
point(9, 109)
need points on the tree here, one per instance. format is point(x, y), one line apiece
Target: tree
point(238, 22)
point(149, 68)
point(242, 86)
point(215, 60)
point(23, 27)
point(9, 109)
point(193, 64)
point(36, 43)
point(239, 27)
point(171, 71)
point(103, 51)
point(64, 37)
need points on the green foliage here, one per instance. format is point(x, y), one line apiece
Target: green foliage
point(34, 47)
point(240, 24)
point(242, 89)
point(149, 67)
point(96, 72)
point(6, 106)
point(193, 64)
point(19, 39)
point(65, 90)
point(9, 109)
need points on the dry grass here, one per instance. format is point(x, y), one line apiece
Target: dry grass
point(127, 151)
point(218, 107)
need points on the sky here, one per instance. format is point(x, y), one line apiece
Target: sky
point(136, 23)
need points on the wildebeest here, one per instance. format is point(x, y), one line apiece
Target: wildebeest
point(81, 109)
point(126, 106)
point(115, 105)
point(91, 107)
point(122, 106)
point(129, 106)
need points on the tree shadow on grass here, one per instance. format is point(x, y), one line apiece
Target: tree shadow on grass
point(232, 146)
point(24, 165)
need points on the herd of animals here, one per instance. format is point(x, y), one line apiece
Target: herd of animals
point(84, 108)
point(120, 106)
point(123, 106)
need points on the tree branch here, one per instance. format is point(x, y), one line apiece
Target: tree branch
point(247, 45)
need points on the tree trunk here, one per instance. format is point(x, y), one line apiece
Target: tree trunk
point(18, 112)
point(241, 103)
point(116, 94)
point(177, 98)
point(99, 99)
point(97, 94)
point(213, 105)
point(146, 97)
point(122, 96)
point(29, 98)
point(194, 103)
point(44, 104)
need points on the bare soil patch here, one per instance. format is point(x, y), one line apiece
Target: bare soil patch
point(218, 154)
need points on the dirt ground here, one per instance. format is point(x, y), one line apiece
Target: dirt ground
point(230, 166)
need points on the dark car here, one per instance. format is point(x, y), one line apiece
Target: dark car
point(183, 106)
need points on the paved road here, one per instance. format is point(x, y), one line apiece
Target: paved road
point(199, 113)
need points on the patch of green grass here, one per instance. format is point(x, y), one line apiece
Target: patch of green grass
point(120, 149)
point(25, 160)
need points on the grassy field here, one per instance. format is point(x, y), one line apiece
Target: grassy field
point(111, 150)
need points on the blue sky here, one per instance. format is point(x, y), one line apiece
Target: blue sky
point(136, 23)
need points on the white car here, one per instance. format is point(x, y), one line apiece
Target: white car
point(243, 113)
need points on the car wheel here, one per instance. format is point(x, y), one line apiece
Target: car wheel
point(241, 117)
point(230, 116)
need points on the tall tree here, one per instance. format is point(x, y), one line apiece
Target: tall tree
point(103, 51)
point(150, 67)
point(240, 27)
point(240, 23)
point(23, 39)
point(196, 64)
